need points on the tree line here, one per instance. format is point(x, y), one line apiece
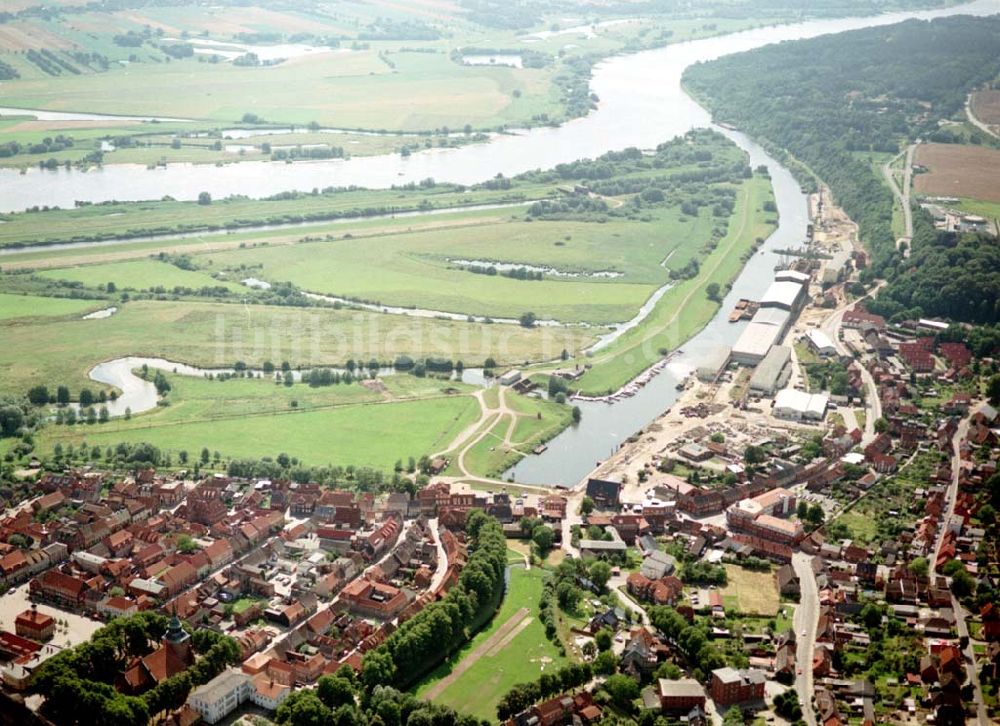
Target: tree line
point(431, 635)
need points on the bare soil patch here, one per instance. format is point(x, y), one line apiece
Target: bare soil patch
point(959, 171)
point(29, 36)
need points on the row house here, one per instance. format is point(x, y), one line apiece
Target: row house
point(60, 589)
point(375, 544)
point(433, 496)
point(729, 686)
point(664, 591)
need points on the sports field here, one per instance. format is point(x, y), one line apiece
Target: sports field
point(511, 649)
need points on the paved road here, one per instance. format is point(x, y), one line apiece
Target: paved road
point(442, 563)
point(956, 470)
point(873, 405)
point(617, 586)
point(806, 615)
point(970, 663)
point(960, 613)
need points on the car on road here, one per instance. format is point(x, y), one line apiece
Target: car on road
point(804, 633)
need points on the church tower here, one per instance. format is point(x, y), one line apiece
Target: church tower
point(178, 640)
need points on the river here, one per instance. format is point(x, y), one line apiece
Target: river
point(641, 104)
point(633, 112)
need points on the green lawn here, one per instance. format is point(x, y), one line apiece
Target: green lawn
point(25, 306)
point(244, 604)
point(524, 658)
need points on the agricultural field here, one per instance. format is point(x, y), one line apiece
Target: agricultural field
point(972, 172)
point(511, 649)
point(372, 425)
point(986, 107)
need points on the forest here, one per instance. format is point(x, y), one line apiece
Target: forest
point(949, 275)
point(828, 100)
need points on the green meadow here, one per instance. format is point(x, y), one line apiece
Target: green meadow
point(217, 334)
point(138, 275)
point(521, 658)
point(30, 306)
point(361, 434)
point(686, 307)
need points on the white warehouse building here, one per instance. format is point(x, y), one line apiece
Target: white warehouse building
point(820, 343)
point(766, 328)
point(773, 372)
point(784, 294)
point(800, 406)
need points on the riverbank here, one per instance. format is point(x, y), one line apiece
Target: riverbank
point(687, 306)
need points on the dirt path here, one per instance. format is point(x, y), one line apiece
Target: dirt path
point(486, 648)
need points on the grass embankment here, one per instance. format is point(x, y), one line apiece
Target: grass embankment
point(131, 219)
point(342, 424)
point(520, 654)
point(686, 307)
point(216, 334)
